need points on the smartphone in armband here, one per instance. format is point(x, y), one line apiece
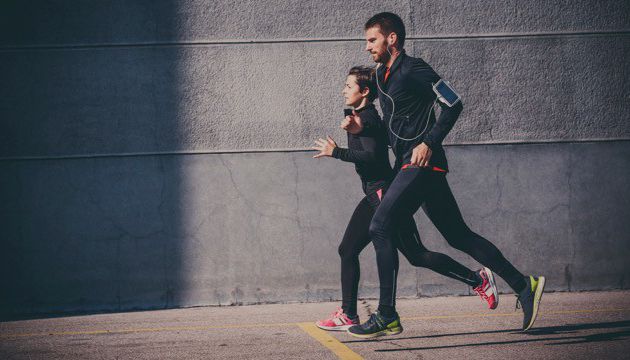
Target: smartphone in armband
point(445, 93)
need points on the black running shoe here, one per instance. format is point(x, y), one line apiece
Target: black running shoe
point(529, 299)
point(377, 325)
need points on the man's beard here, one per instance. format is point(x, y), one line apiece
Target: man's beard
point(383, 58)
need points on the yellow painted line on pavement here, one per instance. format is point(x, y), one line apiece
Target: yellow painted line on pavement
point(158, 329)
point(342, 351)
point(245, 326)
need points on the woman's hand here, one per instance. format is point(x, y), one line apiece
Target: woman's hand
point(352, 123)
point(325, 147)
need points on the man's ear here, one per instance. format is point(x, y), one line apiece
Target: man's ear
point(392, 39)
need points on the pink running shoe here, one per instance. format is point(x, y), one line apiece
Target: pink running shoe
point(488, 288)
point(338, 321)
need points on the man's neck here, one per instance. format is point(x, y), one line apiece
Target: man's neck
point(392, 58)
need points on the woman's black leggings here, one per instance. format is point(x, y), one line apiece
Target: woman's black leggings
point(408, 242)
point(414, 187)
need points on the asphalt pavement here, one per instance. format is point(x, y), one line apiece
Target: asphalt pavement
point(586, 325)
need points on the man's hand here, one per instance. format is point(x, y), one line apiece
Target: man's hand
point(325, 147)
point(352, 123)
point(421, 155)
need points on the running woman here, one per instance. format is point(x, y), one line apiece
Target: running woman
point(407, 96)
point(368, 151)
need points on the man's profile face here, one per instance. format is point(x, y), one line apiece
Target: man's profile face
point(376, 44)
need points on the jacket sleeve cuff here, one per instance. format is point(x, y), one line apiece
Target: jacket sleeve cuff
point(335, 153)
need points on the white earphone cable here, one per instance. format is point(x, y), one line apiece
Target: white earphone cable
point(391, 117)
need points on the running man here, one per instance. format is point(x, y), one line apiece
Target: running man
point(368, 151)
point(408, 89)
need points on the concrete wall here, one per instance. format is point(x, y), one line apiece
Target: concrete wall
point(140, 162)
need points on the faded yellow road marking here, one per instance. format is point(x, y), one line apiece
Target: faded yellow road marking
point(245, 326)
point(342, 351)
point(140, 330)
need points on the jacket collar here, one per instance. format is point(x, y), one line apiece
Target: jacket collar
point(397, 61)
point(395, 65)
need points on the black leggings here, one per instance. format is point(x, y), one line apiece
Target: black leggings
point(414, 187)
point(408, 242)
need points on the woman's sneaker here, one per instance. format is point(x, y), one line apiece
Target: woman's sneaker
point(488, 288)
point(529, 299)
point(338, 321)
point(377, 325)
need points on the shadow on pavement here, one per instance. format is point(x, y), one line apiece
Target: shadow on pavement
point(437, 336)
point(536, 333)
point(69, 314)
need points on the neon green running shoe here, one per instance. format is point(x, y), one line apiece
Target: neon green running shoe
point(377, 325)
point(529, 299)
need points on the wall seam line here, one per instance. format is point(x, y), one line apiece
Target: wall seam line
point(479, 36)
point(287, 150)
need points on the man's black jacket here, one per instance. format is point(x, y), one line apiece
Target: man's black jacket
point(410, 85)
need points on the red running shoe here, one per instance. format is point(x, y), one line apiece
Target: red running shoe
point(338, 321)
point(488, 288)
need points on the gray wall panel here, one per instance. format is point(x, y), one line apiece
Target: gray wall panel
point(173, 21)
point(595, 217)
point(270, 96)
point(146, 232)
point(87, 22)
point(536, 89)
point(514, 16)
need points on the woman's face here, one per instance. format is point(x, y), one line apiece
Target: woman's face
point(351, 92)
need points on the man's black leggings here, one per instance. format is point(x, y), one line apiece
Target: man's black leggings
point(356, 238)
point(414, 187)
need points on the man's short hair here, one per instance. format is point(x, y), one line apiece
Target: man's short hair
point(388, 23)
point(365, 79)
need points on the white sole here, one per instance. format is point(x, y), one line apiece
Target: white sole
point(493, 285)
point(335, 328)
point(380, 333)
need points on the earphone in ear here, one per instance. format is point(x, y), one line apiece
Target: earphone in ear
point(389, 45)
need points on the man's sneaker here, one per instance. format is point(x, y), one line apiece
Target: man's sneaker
point(338, 321)
point(377, 325)
point(488, 288)
point(529, 299)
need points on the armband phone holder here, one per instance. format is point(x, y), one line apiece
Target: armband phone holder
point(445, 93)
